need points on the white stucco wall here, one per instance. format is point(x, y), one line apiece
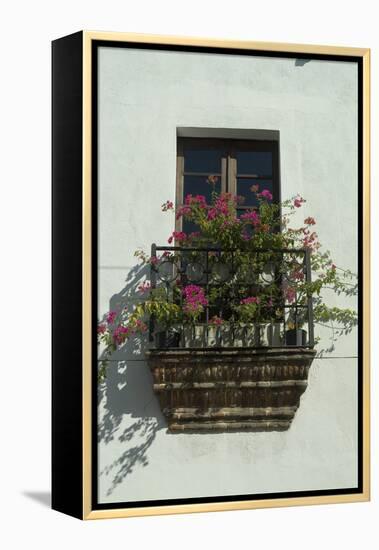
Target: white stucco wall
point(144, 97)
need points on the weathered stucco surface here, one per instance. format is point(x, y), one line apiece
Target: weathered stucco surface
point(144, 97)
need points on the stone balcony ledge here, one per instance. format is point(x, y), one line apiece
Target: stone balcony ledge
point(230, 389)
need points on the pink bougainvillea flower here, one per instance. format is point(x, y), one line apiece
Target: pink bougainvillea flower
point(266, 194)
point(168, 205)
point(252, 217)
point(222, 205)
point(183, 211)
point(290, 294)
point(250, 300)
point(229, 222)
point(216, 320)
point(311, 241)
point(197, 200)
point(179, 237)
point(144, 287)
point(310, 221)
point(194, 292)
point(333, 267)
point(101, 329)
point(120, 334)
point(212, 214)
point(298, 201)
point(111, 316)
point(194, 299)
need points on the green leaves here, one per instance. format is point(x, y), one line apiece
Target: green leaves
point(247, 242)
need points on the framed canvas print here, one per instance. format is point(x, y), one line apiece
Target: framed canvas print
point(210, 275)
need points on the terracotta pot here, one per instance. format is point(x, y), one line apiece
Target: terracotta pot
point(167, 339)
point(296, 337)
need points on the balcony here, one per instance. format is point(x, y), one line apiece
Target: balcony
point(242, 362)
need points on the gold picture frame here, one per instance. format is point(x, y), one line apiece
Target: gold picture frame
point(82, 467)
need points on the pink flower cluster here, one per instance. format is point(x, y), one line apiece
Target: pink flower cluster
point(120, 334)
point(221, 206)
point(217, 321)
point(183, 211)
point(189, 202)
point(252, 217)
point(101, 329)
point(266, 194)
point(179, 237)
point(289, 293)
point(110, 317)
point(310, 221)
point(310, 240)
point(197, 200)
point(212, 214)
point(298, 201)
point(250, 300)
point(168, 205)
point(194, 299)
point(229, 222)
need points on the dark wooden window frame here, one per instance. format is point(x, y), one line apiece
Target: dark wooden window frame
point(228, 172)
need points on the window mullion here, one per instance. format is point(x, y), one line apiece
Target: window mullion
point(232, 174)
point(224, 173)
point(179, 198)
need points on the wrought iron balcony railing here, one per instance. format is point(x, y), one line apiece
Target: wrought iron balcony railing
point(278, 278)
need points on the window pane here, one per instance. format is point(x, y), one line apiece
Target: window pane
point(254, 162)
point(198, 185)
point(244, 189)
point(203, 160)
point(190, 227)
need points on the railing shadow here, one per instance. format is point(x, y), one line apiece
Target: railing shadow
point(127, 407)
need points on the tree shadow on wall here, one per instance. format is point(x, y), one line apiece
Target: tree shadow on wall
point(128, 410)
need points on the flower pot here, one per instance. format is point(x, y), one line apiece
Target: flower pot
point(195, 336)
point(213, 336)
point(296, 337)
point(274, 338)
point(167, 339)
point(247, 335)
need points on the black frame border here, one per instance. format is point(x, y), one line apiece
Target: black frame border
point(251, 53)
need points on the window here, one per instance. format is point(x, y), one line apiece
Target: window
point(237, 164)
